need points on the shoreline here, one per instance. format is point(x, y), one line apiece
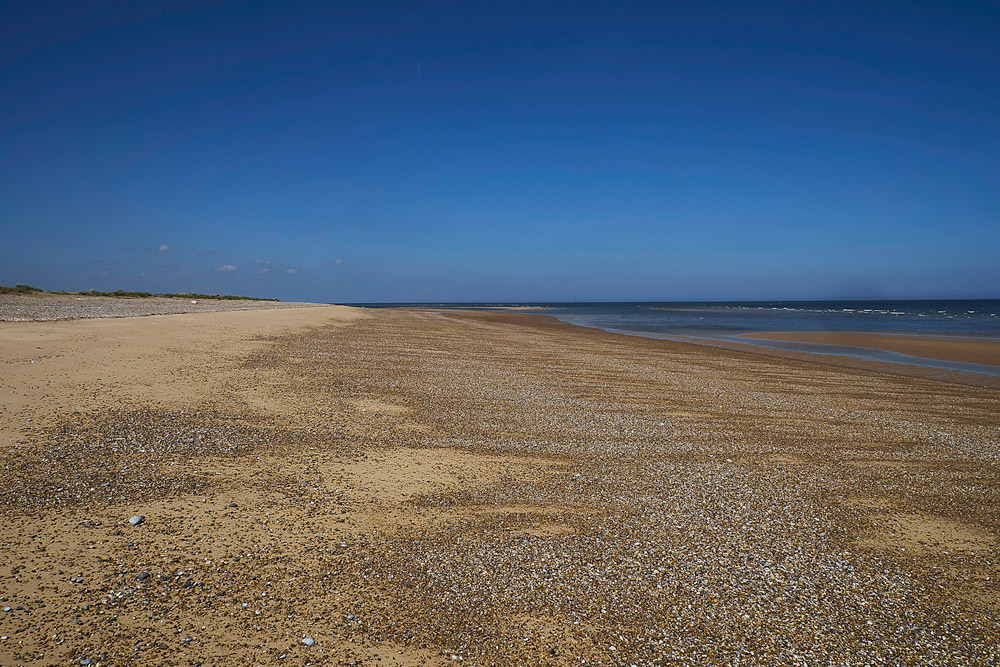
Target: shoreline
point(882, 358)
point(958, 347)
point(409, 486)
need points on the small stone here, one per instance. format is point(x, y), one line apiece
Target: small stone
point(8, 609)
point(143, 576)
point(308, 641)
point(136, 520)
point(86, 661)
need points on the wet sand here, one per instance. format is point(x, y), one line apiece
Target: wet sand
point(408, 487)
point(946, 348)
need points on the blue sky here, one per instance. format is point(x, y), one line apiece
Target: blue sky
point(502, 151)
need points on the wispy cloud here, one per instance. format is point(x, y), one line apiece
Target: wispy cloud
point(333, 263)
point(266, 266)
point(164, 248)
point(226, 268)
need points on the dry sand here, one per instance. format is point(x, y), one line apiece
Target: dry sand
point(411, 487)
point(970, 350)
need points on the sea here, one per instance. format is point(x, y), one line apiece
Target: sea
point(726, 322)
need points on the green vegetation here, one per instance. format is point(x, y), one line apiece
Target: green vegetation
point(223, 297)
point(19, 289)
point(122, 294)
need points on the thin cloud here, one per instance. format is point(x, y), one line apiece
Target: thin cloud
point(164, 248)
point(266, 266)
point(333, 263)
point(226, 268)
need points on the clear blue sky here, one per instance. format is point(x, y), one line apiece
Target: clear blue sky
point(522, 151)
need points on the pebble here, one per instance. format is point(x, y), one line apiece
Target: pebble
point(308, 641)
point(541, 497)
point(21, 308)
point(137, 520)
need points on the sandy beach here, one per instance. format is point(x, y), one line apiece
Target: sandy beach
point(483, 488)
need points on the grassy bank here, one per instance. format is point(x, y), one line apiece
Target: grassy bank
point(122, 294)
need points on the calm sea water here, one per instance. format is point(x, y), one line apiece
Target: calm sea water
point(974, 317)
point(714, 322)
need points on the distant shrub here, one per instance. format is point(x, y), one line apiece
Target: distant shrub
point(19, 289)
point(123, 294)
point(222, 297)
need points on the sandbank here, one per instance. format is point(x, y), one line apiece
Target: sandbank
point(946, 348)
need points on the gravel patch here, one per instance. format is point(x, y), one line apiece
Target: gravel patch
point(491, 489)
point(46, 307)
